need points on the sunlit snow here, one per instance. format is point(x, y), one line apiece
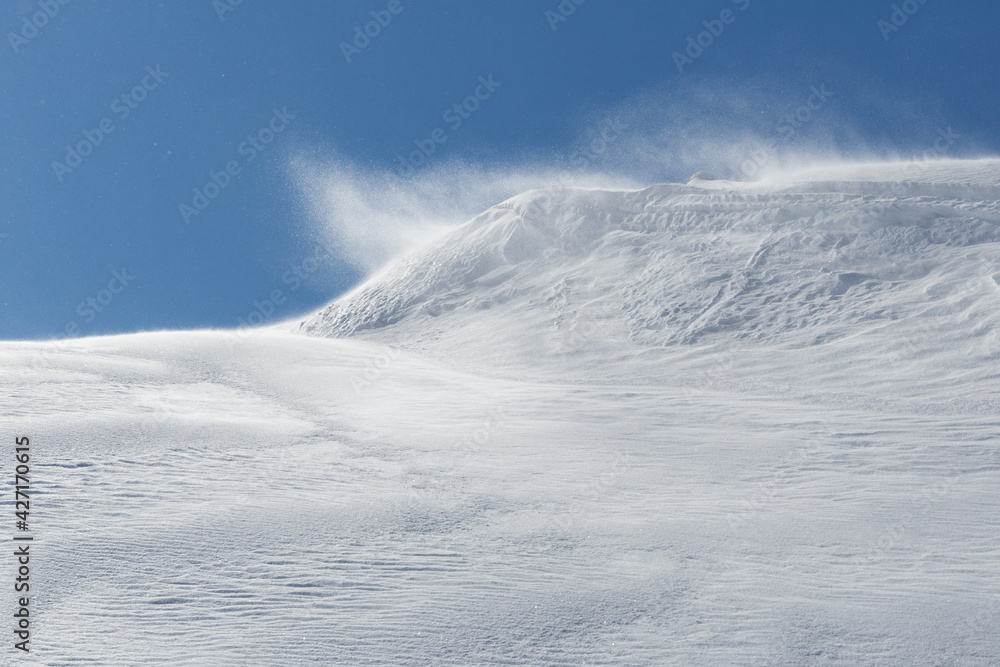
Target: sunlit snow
point(693, 424)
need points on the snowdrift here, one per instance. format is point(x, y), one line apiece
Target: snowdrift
point(876, 251)
point(704, 424)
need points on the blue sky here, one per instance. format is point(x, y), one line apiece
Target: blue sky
point(258, 104)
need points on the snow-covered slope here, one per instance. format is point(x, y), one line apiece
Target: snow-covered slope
point(704, 424)
point(869, 256)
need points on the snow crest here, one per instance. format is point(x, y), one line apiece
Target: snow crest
point(799, 261)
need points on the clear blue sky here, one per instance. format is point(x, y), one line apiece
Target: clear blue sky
point(198, 82)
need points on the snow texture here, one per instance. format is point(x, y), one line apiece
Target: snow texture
point(706, 424)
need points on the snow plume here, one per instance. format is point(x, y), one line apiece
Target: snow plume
point(735, 132)
point(374, 216)
point(752, 131)
point(764, 127)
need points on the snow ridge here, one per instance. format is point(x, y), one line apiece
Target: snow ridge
point(798, 262)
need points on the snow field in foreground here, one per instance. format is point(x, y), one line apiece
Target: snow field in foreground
point(690, 425)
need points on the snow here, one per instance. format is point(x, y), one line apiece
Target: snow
point(702, 424)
